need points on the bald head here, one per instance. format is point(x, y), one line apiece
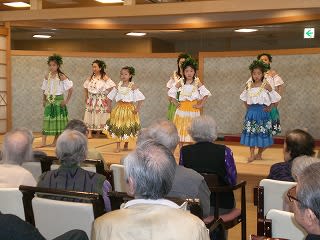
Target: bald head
point(17, 147)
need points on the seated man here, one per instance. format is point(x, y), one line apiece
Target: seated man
point(17, 149)
point(72, 149)
point(297, 143)
point(79, 126)
point(149, 172)
point(306, 201)
point(187, 183)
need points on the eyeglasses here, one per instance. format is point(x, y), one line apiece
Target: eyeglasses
point(292, 194)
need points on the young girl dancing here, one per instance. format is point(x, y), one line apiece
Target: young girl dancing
point(54, 86)
point(277, 84)
point(174, 79)
point(191, 100)
point(97, 88)
point(258, 96)
point(124, 122)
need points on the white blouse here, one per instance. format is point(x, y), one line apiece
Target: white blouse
point(125, 94)
point(98, 86)
point(174, 79)
point(189, 92)
point(256, 95)
point(57, 86)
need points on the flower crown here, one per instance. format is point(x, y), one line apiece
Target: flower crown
point(55, 57)
point(131, 70)
point(259, 64)
point(190, 62)
point(100, 63)
point(265, 54)
point(184, 55)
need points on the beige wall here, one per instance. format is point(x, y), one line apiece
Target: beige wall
point(152, 74)
point(224, 76)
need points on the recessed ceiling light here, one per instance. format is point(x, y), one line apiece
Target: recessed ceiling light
point(246, 30)
point(109, 1)
point(136, 34)
point(17, 4)
point(41, 36)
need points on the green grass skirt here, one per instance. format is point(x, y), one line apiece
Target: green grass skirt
point(55, 117)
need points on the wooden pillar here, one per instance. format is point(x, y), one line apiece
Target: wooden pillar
point(36, 4)
point(5, 79)
point(129, 2)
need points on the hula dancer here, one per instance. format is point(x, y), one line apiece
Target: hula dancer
point(192, 98)
point(174, 79)
point(124, 121)
point(258, 97)
point(54, 86)
point(277, 84)
point(97, 88)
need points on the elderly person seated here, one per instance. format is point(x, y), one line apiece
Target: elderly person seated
point(17, 149)
point(297, 143)
point(80, 126)
point(306, 202)
point(205, 156)
point(71, 150)
point(301, 163)
point(149, 172)
point(187, 183)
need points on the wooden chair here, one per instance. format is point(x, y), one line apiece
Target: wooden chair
point(236, 215)
point(118, 177)
point(255, 237)
point(11, 202)
point(54, 217)
point(282, 224)
point(48, 161)
point(268, 195)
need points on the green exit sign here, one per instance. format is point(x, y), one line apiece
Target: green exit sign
point(309, 33)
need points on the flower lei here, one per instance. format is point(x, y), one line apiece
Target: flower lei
point(51, 97)
point(261, 88)
point(194, 89)
point(124, 90)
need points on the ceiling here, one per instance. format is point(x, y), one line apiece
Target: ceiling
point(47, 4)
point(294, 30)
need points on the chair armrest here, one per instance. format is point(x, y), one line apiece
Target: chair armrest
point(228, 188)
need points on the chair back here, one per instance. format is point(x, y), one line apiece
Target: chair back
point(55, 217)
point(220, 193)
point(283, 225)
point(118, 177)
point(33, 167)
point(11, 202)
point(274, 193)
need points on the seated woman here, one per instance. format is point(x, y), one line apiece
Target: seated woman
point(297, 143)
point(207, 157)
point(72, 148)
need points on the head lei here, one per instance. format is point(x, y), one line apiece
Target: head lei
point(190, 62)
point(184, 55)
point(131, 70)
point(265, 54)
point(259, 64)
point(55, 57)
point(101, 63)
